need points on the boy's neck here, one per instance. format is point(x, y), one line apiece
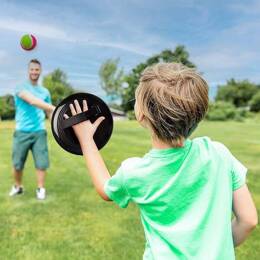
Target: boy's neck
point(158, 144)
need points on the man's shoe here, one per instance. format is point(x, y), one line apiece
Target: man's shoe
point(16, 191)
point(41, 193)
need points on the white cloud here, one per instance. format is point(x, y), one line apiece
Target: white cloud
point(82, 75)
point(79, 36)
point(3, 55)
point(123, 46)
point(247, 7)
point(133, 32)
point(223, 59)
point(45, 30)
point(6, 76)
point(243, 29)
point(233, 52)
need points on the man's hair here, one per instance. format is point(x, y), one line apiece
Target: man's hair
point(173, 99)
point(35, 61)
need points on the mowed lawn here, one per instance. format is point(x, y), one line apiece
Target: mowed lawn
point(74, 223)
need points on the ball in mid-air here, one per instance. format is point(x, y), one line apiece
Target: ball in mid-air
point(28, 42)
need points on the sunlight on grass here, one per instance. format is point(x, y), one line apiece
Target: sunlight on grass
point(74, 223)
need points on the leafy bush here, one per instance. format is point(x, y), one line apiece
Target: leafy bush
point(222, 111)
point(131, 115)
point(7, 110)
point(255, 102)
point(56, 82)
point(238, 93)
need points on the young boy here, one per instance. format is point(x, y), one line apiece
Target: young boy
point(185, 189)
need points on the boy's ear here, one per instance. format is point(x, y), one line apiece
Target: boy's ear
point(139, 117)
point(142, 120)
point(142, 117)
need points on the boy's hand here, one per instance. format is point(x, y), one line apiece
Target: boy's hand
point(84, 130)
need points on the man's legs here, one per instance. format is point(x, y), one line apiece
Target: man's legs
point(17, 188)
point(21, 146)
point(18, 175)
point(40, 177)
point(41, 161)
point(40, 192)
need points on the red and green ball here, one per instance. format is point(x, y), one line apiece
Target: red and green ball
point(28, 42)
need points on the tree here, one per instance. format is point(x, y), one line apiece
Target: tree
point(120, 86)
point(255, 102)
point(111, 78)
point(178, 55)
point(221, 111)
point(7, 110)
point(56, 82)
point(238, 93)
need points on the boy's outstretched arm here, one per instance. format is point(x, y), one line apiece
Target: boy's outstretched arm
point(245, 215)
point(95, 164)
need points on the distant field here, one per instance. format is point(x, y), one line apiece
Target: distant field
point(74, 223)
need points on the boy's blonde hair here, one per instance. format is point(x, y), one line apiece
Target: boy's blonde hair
point(173, 99)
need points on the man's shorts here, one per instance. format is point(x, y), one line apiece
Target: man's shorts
point(34, 141)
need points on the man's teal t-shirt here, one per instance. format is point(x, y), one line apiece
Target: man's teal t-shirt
point(30, 118)
point(185, 199)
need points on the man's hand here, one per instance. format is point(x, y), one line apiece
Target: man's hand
point(84, 130)
point(50, 113)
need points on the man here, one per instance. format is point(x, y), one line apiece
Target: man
point(31, 102)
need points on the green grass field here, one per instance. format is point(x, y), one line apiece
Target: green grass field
point(74, 223)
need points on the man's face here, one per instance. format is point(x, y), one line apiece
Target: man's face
point(34, 71)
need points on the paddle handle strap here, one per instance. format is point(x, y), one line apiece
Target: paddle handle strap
point(94, 111)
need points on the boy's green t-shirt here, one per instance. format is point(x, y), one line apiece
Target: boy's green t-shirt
point(185, 199)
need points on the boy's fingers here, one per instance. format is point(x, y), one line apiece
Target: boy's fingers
point(72, 109)
point(85, 105)
point(77, 106)
point(98, 121)
point(65, 116)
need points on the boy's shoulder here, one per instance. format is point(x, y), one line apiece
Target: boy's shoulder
point(131, 163)
point(134, 167)
point(204, 146)
point(211, 145)
point(207, 141)
point(201, 140)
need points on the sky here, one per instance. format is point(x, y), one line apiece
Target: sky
point(222, 37)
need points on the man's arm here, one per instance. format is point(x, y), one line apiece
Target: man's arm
point(37, 102)
point(245, 215)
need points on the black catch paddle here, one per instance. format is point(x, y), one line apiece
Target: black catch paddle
point(62, 128)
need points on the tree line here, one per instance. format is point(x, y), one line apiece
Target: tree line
point(234, 100)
